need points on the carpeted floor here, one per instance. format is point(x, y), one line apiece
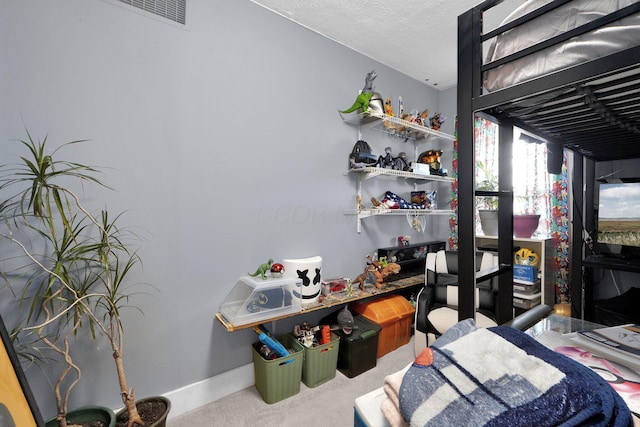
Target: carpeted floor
point(329, 404)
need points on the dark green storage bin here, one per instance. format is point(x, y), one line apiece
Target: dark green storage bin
point(279, 378)
point(320, 362)
point(359, 350)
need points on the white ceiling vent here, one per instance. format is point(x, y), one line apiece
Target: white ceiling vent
point(175, 10)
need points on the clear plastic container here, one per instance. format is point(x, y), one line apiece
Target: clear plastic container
point(254, 299)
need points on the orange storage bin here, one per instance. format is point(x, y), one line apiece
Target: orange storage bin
point(394, 315)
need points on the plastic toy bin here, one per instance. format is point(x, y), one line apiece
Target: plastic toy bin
point(253, 299)
point(320, 362)
point(358, 350)
point(394, 314)
point(279, 378)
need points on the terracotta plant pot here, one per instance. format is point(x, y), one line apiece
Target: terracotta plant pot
point(146, 406)
point(525, 225)
point(88, 414)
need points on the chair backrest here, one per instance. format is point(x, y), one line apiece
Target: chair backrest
point(446, 262)
point(441, 272)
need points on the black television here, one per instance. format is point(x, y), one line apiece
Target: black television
point(618, 217)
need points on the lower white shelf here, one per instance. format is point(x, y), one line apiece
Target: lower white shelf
point(367, 213)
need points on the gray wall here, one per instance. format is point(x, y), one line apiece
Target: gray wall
point(223, 142)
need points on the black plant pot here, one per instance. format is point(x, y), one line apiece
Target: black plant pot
point(88, 414)
point(144, 406)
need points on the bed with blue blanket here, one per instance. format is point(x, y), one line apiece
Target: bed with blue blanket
point(494, 377)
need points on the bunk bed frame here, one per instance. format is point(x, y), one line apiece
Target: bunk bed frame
point(592, 109)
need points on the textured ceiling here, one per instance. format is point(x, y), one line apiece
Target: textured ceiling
point(417, 38)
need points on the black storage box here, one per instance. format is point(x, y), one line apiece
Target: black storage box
point(359, 350)
point(411, 258)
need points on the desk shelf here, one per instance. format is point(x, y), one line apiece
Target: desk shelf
point(336, 300)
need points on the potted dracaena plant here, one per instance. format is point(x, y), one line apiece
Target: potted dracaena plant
point(75, 267)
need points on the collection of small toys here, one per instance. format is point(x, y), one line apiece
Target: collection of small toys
point(404, 240)
point(271, 348)
point(369, 101)
point(392, 201)
point(312, 336)
point(275, 270)
point(375, 272)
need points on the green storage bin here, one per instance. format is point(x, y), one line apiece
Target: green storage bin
point(279, 378)
point(320, 362)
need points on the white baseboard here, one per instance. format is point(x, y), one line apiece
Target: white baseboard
point(203, 392)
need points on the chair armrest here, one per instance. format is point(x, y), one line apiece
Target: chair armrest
point(424, 302)
point(530, 317)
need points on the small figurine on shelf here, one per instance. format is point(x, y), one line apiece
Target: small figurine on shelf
point(432, 158)
point(436, 121)
point(367, 98)
point(422, 117)
point(277, 270)
point(262, 270)
point(397, 163)
point(386, 160)
point(420, 198)
point(388, 110)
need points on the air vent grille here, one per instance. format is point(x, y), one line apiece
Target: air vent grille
point(175, 10)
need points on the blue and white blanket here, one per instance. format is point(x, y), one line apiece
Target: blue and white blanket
point(502, 377)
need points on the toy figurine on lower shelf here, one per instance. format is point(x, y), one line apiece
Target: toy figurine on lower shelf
point(374, 272)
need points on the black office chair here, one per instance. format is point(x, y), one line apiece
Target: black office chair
point(437, 301)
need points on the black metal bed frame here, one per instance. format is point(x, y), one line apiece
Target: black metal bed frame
point(592, 109)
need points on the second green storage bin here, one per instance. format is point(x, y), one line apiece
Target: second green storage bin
point(320, 362)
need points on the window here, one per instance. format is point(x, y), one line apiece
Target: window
point(532, 184)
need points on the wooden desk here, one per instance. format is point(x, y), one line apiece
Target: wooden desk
point(335, 300)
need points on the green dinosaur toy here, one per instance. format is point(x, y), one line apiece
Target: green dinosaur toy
point(363, 99)
point(362, 102)
point(262, 270)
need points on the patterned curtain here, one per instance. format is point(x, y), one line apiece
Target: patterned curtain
point(560, 231)
point(453, 220)
point(535, 192)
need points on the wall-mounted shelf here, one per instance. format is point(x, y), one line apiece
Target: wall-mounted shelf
point(370, 291)
point(367, 213)
point(370, 172)
point(413, 130)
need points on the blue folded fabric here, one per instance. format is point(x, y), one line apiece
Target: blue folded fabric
point(502, 377)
